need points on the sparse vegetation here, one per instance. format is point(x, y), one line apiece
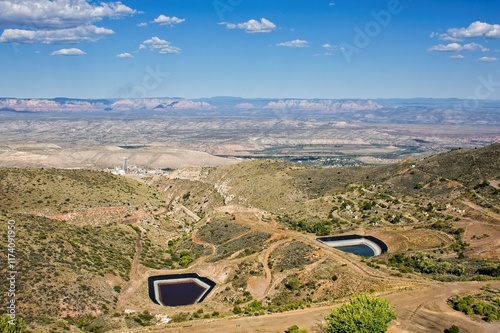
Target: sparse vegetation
point(144, 318)
point(292, 255)
point(462, 268)
point(296, 329)
point(251, 243)
point(220, 231)
point(80, 230)
point(86, 323)
point(59, 191)
point(485, 305)
point(12, 325)
point(178, 253)
point(319, 228)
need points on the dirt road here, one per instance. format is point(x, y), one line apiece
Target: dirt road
point(425, 309)
point(422, 310)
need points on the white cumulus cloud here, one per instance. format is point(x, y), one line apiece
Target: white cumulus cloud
point(58, 14)
point(445, 37)
point(159, 45)
point(124, 55)
point(487, 59)
point(456, 47)
point(167, 20)
point(475, 29)
point(57, 21)
point(142, 24)
point(298, 43)
point(68, 52)
point(253, 26)
point(87, 33)
point(457, 56)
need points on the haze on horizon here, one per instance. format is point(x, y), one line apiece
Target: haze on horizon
point(253, 49)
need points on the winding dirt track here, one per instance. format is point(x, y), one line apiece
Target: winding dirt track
point(196, 240)
point(481, 210)
point(421, 309)
point(261, 285)
point(135, 276)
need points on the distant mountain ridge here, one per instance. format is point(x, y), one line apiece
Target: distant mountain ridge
point(79, 105)
point(450, 111)
point(323, 105)
point(60, 104)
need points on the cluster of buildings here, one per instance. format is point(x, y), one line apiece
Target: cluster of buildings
point(126, 169)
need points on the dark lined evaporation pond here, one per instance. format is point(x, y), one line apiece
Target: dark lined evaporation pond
point(360, 250)
point(367, 246)
point(179, 289)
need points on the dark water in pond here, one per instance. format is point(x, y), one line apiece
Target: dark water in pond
point(360, 250)
point(181, 293)
point(179, 289)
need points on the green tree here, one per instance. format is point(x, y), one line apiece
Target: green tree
point(293, 283)
point(452, 329)
point(296, 329)
point(185, 258)
point(363, 314)
point(237, 309)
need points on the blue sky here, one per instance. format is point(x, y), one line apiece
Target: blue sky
point(250, 48)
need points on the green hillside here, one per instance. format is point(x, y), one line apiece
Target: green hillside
point(57, 191)
point(87, 241)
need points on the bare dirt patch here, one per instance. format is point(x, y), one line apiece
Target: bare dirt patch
point(107, 156)
point(484, 238)
point(495, 184)
point(425, 310)
point(88, 213)
point(404, 238)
